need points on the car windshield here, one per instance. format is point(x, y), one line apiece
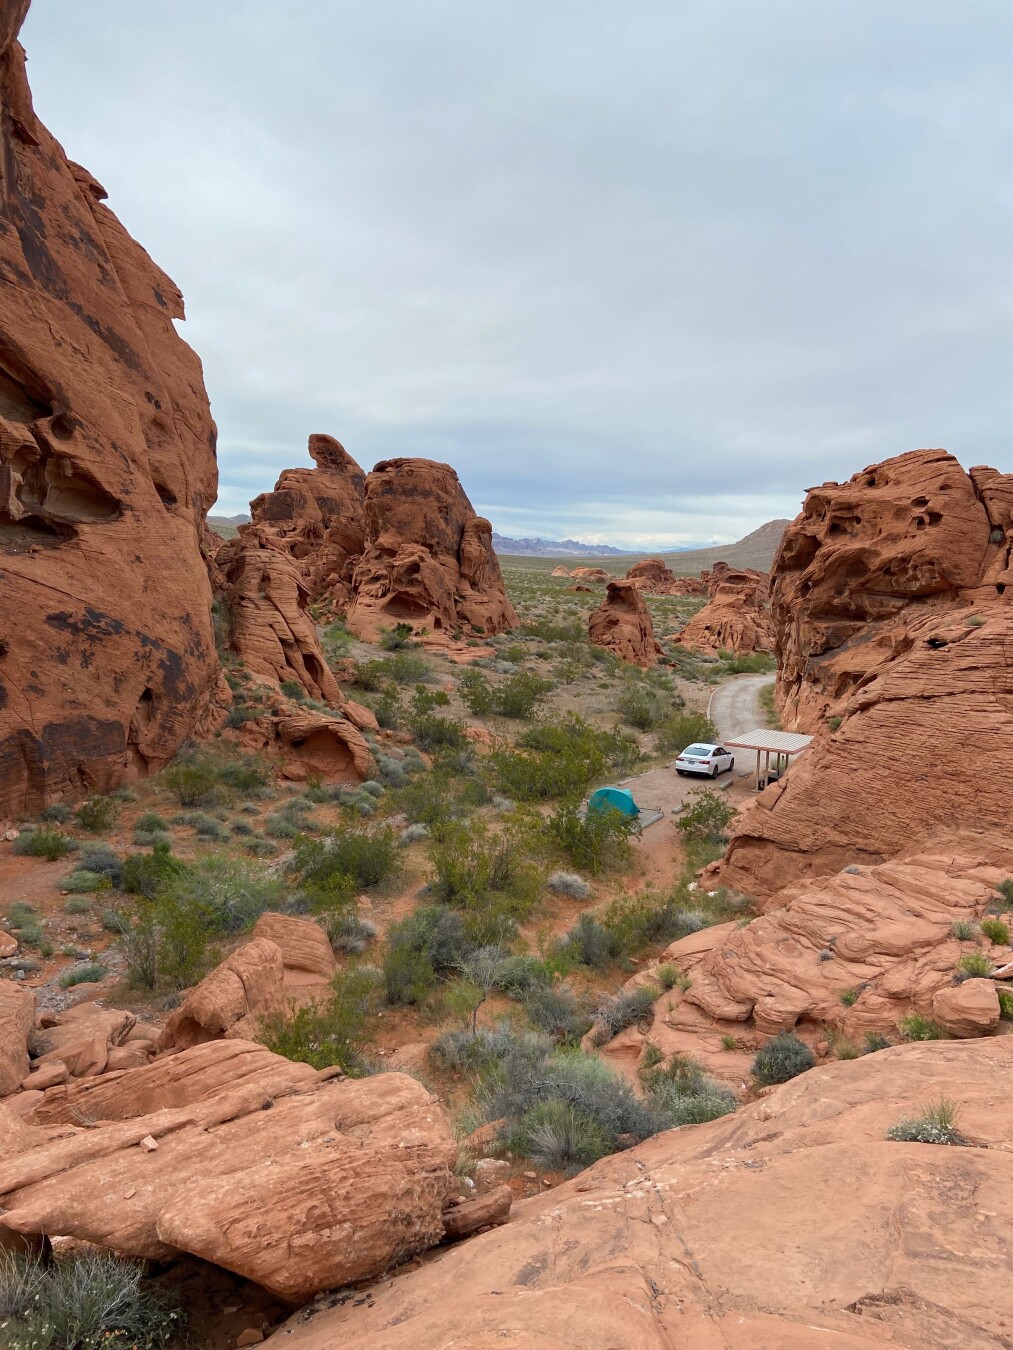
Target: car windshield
point(700, 751)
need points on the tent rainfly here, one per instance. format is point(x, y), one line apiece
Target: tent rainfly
point(765, 741)
point(618, 799)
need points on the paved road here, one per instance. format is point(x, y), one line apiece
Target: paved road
point(735, 708)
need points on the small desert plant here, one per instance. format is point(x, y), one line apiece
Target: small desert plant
point(849, 997)
point(964, 932)
point(397, 638)
point(97, 814)
point(875, 1041)
point(996, 930)
point(1005, 1004)
point(43, 843)
point(683, 729)
point(623, 1010)
point(557, 1011)
point(918, 1028)
point(570, 885)
point(643, 707)
point(91, 973)
point(83, 881)
point(597, 841)
point(935, 1125)
point(89, 1300)
point(834, 722)
point(974, 965)
point(370, 858)
point(193, 782)
point(728, 1042)
point(668, 975)
point(78, 904)
point(1005, 889)
point(559, 1136)
point(782, 1058)
point(57, 814)
point(151, 820)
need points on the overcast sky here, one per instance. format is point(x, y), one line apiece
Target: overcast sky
point(641, 270)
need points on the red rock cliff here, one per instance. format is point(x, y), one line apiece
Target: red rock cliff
point(107, 468)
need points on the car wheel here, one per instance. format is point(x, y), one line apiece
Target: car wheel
point(731, 766)
point(715, 771)
point(681, 773)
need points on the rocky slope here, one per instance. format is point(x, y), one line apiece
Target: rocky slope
point(107, 468)
point(794, 1223)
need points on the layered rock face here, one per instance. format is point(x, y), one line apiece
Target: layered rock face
point(836, 957)
point(736, 618)
point(107, 468)
point(891, 607)
point(741, 1233)
point(428, 559)
point(622, 625)
point(317, 516)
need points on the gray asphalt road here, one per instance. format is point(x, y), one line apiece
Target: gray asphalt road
point(734, 707)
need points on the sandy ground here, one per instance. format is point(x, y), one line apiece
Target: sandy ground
point(734, 706)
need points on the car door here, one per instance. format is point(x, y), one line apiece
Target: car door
point(723, 758)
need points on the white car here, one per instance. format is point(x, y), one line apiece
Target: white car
point(706, 759)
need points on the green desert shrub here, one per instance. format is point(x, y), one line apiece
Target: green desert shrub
point(570, 885)
point(683, 1094)
point(84, 882)
point(91, 973)
point(782, 1058)
point(597, 841)
point(682, 729)
point(556, 1010)
point(974, 965)
point(964, 932)
point(517, 697)
point(918, 1028)
point(706, 818)
point(487, 876)
point(225, 894)
point(1005, 1004)
point(429, 942)
point(369, 857)
point(397, 638)
point(57, 814)
point(193, 782)
point(77, 904)
point(1005, 889)
point(43, 843)
point(146, 873)
point(97, 814)
point(996, 930)
point(560, 1137)
point(561, 759)
point(643, 707)
point(936, 1124)
point(329, 1031)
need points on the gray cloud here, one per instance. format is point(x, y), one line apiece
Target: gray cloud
point(640, 272)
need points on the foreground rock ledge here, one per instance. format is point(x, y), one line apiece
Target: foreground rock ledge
point(295, 1179)
point(794, 1223)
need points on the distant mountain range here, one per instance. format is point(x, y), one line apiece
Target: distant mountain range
point(226, 526)
point(554, 548)
point(757, 550)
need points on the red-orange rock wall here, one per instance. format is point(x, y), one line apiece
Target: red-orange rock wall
point(107, 469)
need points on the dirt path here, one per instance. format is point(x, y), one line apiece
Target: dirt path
point(734, 706)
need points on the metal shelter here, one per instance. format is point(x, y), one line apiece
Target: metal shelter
point(765, 741)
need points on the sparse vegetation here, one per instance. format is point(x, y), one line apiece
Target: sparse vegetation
point(782, 1058)
point(964, 932)
point(935, 1125)
point(974, 965)
point(43, 843)
point(84, 1301)
point(918, 1028)
point(996, 930)
point(331, 1031)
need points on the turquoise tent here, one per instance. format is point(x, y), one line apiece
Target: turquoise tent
point(619, 799)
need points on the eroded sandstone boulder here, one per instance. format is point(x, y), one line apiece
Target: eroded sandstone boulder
point(741, 1233)
point(107, 470)
point(231, 1001)
point(295, 1179)
point(317, 516)
point(622, 625)
point(595, 575)
point(736, 617)
point(428, 559)
point(911, 539)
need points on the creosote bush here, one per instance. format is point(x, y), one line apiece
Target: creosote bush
point(561, 759)
point(516, 697)
point(682, 729)
point(918, 1028)
point(705, 820)
point(97, 814)
point(331, 1031)
point(782, 1058)
point(43, 843)
point(996, 930)
point(598, 841)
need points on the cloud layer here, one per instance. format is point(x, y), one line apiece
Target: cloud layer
point(641, 272)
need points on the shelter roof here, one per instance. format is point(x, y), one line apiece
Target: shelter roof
point(765, 738)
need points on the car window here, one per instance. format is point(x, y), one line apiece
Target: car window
point(697, 751)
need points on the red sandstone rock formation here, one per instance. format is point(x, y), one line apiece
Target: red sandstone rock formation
point(890, 606)
point(741, 1233)
point(428, 559)
point(622, 625)
point(317, 516)
point(866, 559)
point(295, 1179)
point(560, 572)
point(736, 618)
point(597, 575)
point(107, 468)
point(883, 935)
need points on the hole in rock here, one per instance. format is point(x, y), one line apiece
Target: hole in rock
point(17, 403)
